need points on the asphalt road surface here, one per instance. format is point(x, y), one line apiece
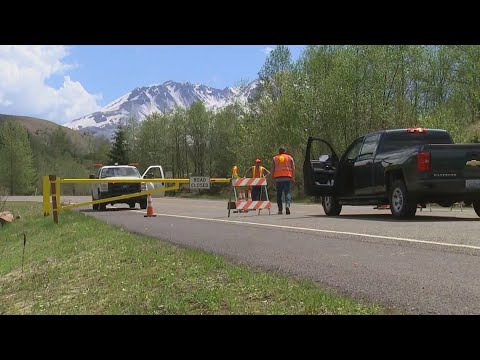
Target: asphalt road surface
point(428, 265)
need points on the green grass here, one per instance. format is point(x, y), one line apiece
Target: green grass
point(84, 266)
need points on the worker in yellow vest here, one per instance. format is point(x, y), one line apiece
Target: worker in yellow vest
point(235, 172)
point(283, 170)
point(241, 192)
point(257, 171)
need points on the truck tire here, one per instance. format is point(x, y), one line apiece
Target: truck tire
point(331, 206)
point(132, 205)
point(102, 207)
point(476, 206)
point(402, 205)
point(143, 204)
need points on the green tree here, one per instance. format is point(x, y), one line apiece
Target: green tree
point(222, 142)
point(132, 128)
point(198, 130)
point(278, 61)
point(119, 152)
point(153, 139)
point(59, 143)
point(17, 172)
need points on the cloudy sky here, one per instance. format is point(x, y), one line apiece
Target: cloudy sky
point(61, 83)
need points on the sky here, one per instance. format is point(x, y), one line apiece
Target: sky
point(62, 83)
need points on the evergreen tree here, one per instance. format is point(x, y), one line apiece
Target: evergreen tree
point(17, 172)
point(119, 152)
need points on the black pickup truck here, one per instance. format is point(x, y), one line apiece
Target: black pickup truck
point(402, 168)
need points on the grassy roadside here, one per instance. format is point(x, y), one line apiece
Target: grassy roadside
point(84, 266)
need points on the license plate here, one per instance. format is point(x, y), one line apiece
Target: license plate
point(472, 184)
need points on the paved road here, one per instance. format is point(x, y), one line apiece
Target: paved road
point(428, 265)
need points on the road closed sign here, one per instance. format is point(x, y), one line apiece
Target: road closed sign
point(199, 182)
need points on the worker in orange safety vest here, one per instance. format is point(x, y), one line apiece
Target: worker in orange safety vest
point(258, 171)
point(283, 171)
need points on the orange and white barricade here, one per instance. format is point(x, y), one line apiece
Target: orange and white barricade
point(244, 205)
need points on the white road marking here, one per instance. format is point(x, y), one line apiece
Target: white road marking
point(320, 231)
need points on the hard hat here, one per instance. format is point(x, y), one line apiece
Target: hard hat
point(258, 161)
point(235, 167)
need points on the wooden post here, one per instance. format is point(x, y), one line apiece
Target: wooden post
point(230, 201)
point(53, 192)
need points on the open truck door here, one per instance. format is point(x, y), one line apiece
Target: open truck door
point(155, 172)
point(319, 168)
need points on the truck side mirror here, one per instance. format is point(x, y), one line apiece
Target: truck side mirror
point(91, 176)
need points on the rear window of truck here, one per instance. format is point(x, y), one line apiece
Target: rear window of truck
point(119, 171)
point(398, 140)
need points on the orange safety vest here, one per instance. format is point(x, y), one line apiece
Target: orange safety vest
point(283, 165)
point(254, 170)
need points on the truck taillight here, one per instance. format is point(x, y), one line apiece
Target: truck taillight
point(416, 130)
point(423, 161)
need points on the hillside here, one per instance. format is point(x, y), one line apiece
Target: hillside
point(43, 129)
point(58, 150)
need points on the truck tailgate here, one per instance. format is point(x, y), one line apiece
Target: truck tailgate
point(455, 160)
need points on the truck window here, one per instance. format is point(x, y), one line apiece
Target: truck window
point(318, 148)
point(370, 145)
point(354, 150)
point(154, 173)
point(106, 173)
point(397, 140)
point(120, 171)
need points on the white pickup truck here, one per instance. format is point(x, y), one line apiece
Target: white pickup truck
point(114, 172)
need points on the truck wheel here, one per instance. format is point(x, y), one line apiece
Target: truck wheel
point(402, 205)
point(476, 206)
point(102, 206)
point(132, 205)
point(143, 204)
point(331, 206)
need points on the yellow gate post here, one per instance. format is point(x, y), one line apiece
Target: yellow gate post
point(46, 196)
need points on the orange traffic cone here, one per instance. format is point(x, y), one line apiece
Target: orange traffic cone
point(150, 207)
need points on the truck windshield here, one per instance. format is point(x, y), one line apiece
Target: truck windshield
point(119, 171)
point(398, 140)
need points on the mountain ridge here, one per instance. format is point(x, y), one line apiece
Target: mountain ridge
point(145, 100)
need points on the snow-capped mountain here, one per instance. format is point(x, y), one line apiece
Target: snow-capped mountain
point(163, 98)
